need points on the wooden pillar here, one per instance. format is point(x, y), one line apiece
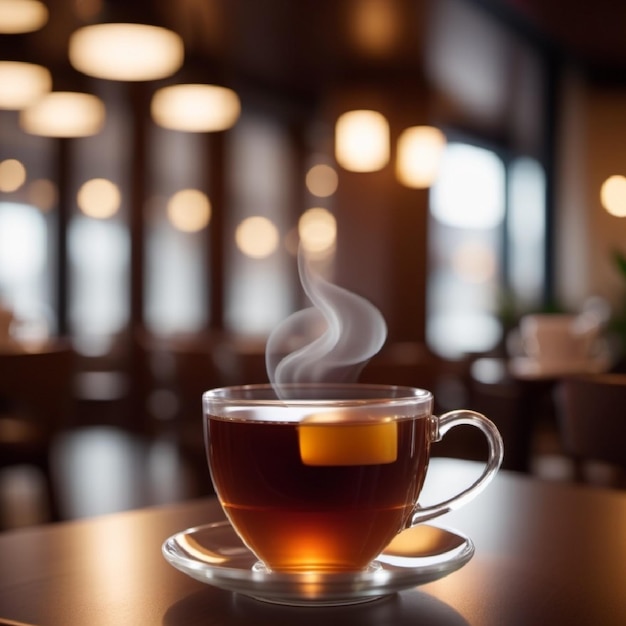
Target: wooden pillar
point(140, 108)
point(64, 204)
point(216, 231)
point(138, 418)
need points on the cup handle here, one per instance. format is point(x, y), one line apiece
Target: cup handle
point(439, 427)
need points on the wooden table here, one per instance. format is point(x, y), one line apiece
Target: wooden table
point(546, 553)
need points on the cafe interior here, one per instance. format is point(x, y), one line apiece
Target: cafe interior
point(457, 163)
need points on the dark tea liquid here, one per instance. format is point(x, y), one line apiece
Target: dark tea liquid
point(296, 516)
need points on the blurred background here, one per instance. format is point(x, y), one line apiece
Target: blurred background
point(457, 162)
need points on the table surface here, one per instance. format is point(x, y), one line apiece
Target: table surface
point(546, 553)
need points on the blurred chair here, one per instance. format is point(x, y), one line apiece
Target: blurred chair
point(494, 393)
point(36, 393)
point(196, 369)
point(592, 421)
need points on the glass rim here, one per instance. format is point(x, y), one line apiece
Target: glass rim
point(316, 394)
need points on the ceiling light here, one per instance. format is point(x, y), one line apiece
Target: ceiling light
point(420, 149)
point(22, 16)
point(21, 84)
point(195, 108)
point(126, 52)
point(362, 141)
point(64, 114)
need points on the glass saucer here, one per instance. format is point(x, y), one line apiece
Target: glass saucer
point(215, 555)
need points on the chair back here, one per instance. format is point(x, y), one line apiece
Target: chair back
point(36, 401)
point(38, 386)
point(592, 417)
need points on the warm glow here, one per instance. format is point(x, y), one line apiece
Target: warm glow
point(22, 16)
point(195, 108)
point(322, 180)
point(126, 51)
point(99, 198)
point(87, 10)
point(317, 229)
point(419, 155)
point(375, 26)
point(189, 210)
point(613, 195)
point(42, 193)
point(362, 141)
point(64, 114)
point(257, 237)
point(22, 84)
point(12, 175)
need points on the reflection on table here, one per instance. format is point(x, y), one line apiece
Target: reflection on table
point(546, 553)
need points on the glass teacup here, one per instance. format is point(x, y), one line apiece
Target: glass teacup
point(322, 478)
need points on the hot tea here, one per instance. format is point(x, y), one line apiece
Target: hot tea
point(318, 496)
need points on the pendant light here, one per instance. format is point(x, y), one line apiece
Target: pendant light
point(64, 114)
point(362, 141)
point(22, 78)
point(22, 84)
point(22, 16)
point(126, 45)
point(419, 153)
point(195, 107)
point(67, 111)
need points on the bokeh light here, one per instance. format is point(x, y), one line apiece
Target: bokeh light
point(128, 51)
point(195, 108)
point(189, 210)
point(22, 84)
point(317, 228)
point(420, 149)
point(257, 237)
point(362, 141)
point(99, 198)
point(322, 180)
point(22, 16)
point(12, 175)
point(64, 114)
point(613, 195)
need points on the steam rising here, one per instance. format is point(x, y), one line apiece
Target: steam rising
point(328, 342)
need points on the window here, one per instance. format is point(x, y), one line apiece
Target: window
point(526, 233)
point(99, 256)
point(24, 276)
point(484, 245)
